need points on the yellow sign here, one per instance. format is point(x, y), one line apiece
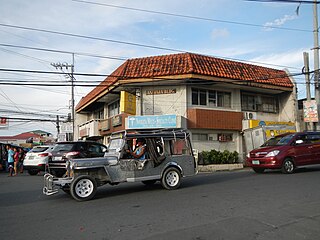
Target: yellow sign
point(273, 128)
point(127, 103)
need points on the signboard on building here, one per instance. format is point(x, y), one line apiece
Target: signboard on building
point(127, 103)
point(310, 111)
point(4, 122)
point(163, 121)
point(272, 128)
point(162, 91)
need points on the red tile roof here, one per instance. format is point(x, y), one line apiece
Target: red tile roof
point(190, 63)
point(21, 136)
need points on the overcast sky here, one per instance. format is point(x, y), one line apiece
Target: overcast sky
point(102, 33)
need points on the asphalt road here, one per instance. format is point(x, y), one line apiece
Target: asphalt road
point(221, 205)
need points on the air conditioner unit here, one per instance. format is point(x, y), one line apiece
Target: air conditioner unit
point(250, 115)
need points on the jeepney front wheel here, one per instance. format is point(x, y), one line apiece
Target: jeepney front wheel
point(171, 178)
point(83, 188)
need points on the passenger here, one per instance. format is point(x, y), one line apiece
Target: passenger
point(140, 151)
point(10, 161)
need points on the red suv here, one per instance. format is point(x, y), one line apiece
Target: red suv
point(286, 152)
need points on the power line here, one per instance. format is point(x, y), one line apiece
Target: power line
point(123, 59)
point(188, 16)
point(89, 37)
point(65, 52)
point(287, 1)
point(31, 119)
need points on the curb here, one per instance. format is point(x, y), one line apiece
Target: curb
point(219, 167)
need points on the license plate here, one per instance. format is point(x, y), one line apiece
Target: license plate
point(31, 157)
point(57, 158)
point(256, 162)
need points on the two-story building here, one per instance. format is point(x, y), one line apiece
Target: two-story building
point(214, 98)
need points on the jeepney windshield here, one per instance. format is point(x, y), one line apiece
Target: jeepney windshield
point(116, 144)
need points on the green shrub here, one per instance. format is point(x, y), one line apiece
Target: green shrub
point(218, 157)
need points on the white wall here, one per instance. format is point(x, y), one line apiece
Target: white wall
point(162, 104)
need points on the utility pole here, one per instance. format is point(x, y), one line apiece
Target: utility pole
point(307, 77)
point(316, 57)
point(58, 125)
point(71, 75)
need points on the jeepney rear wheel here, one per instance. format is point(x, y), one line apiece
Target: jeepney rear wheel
point(171, 178)
point(83, 188)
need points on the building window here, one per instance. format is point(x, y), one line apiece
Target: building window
point(225, 137)
point(200, 137)
point(211, 98)
point(99, 114)
point(261, 103)
point(199, 97)
point(113, 109)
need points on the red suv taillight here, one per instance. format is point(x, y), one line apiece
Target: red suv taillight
point(43, 154)
point(72, 154)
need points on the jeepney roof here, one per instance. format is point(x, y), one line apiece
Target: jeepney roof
point(154, 133)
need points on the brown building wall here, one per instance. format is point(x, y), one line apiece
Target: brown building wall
point(214, 119)
point(120, 124)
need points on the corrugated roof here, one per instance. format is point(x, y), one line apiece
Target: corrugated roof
point(189, 63)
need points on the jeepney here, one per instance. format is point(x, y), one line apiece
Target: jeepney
point(169, 157)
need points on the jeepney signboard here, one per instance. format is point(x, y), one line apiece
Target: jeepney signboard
point(163, 121)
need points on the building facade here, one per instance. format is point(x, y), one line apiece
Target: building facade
point(216, 99)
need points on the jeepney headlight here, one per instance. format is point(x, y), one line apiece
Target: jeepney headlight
point(273, 153)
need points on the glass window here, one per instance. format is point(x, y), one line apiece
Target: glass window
point(224, 99)
point(225, 137)
point(203, 97)
point(99, 114)
point(114, 109)
point(195, 98)
point(200, 137)
point(211, 98)
point(251, 102)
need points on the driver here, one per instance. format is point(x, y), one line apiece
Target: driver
point(140, 151)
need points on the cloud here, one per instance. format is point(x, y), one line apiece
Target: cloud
point(279, 22)
point(220, 33)
point(293, 58)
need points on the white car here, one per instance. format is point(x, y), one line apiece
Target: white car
point(37, 159)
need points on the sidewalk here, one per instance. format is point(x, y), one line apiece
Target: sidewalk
point(220, 167)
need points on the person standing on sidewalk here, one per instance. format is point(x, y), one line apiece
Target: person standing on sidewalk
point(10, 160)
point(16, 161)
point(21, 157)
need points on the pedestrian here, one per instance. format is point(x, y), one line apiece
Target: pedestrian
point(10, 160)
point(16, 161)
point(6, 158)
point(21, 158)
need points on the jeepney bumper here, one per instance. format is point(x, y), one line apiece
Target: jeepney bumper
point(52, 184)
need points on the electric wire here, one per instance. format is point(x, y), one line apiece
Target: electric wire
point(189, 16)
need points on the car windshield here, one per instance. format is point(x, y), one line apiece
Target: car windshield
point(115, 144)
point(63, 147)
point(39, 149)
point(278, 140)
